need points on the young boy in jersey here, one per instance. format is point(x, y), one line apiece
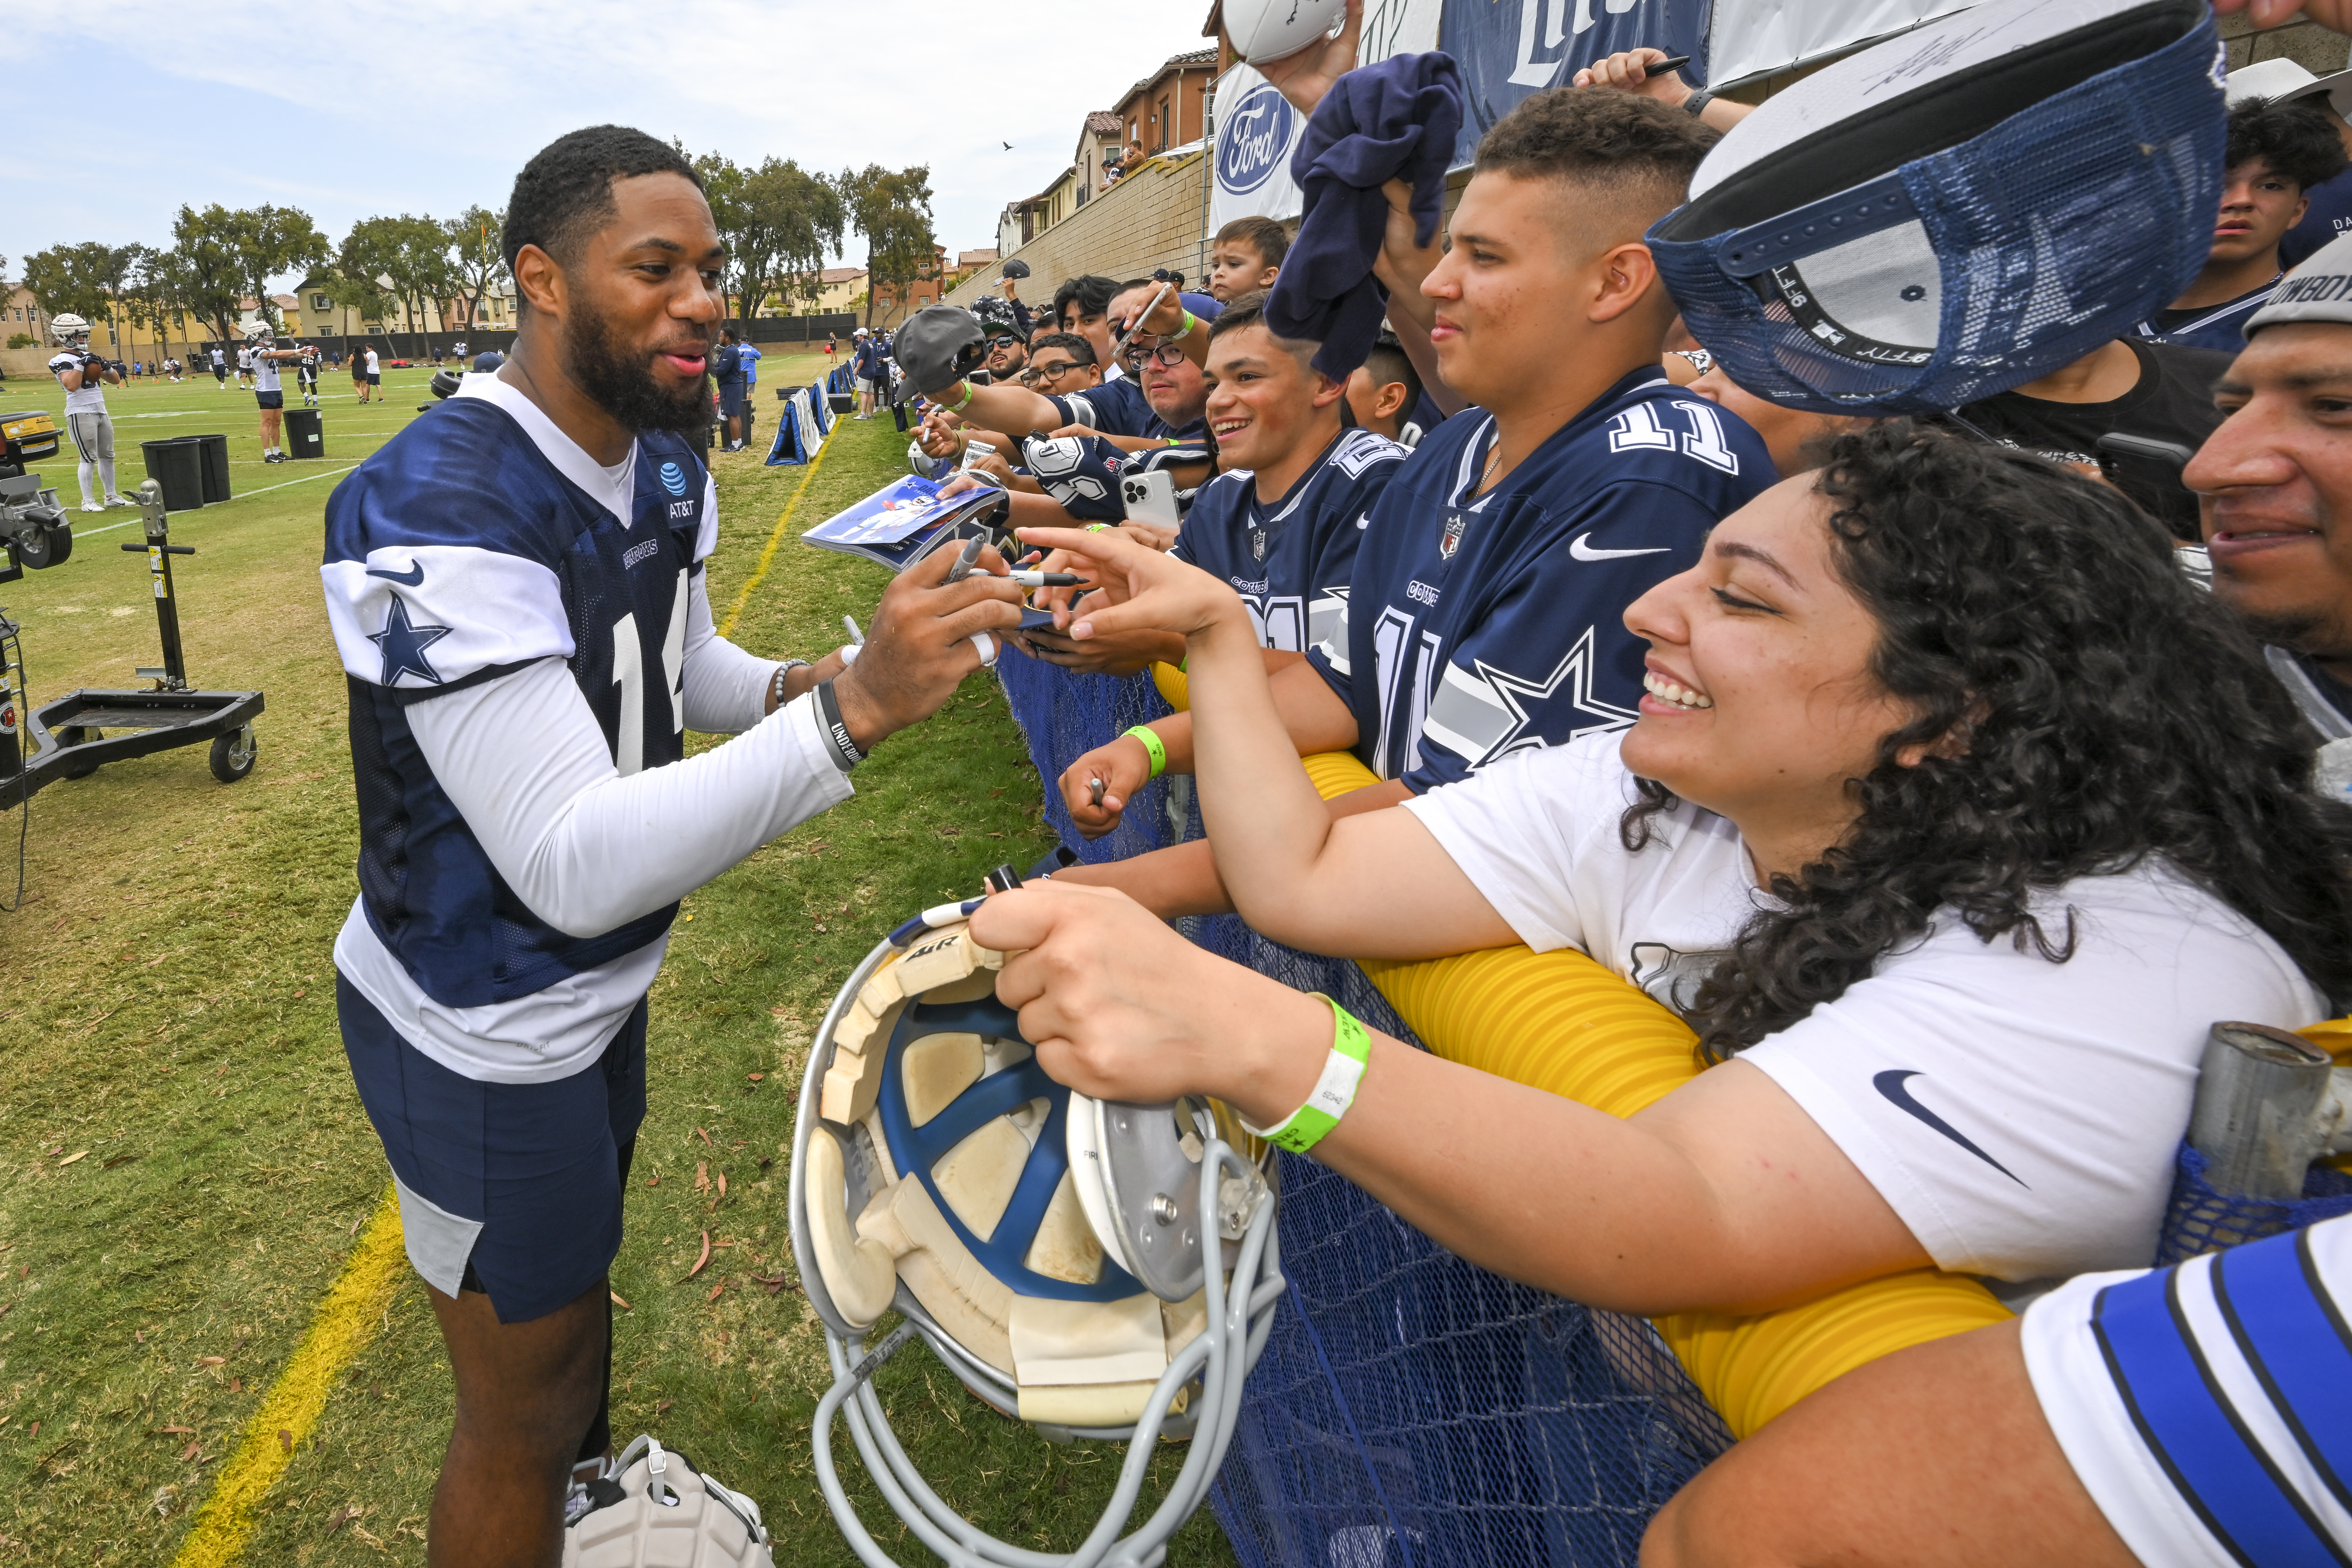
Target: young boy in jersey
point(1486, 611)
point(1383, 392)
point(1245, 258)
point(2275, 152)
point(517, 590)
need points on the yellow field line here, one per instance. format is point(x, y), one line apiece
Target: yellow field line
point(769, 554)
point(345, 1322)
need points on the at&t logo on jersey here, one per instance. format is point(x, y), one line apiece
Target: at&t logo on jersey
point(673, 478)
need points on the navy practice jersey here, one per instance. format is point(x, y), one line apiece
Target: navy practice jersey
point(1292, 559)
point(1116, 408)
point(1477, 628)
point(459, 553)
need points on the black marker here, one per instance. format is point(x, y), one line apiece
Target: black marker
point(1671, 63)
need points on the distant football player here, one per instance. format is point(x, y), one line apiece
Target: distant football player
point(85, 375)
point(305, 375)
point(262, 353)
point(1486, 613)
point(517, 590)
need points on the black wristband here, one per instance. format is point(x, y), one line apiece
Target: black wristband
point(1696, 104)
point(845, 753)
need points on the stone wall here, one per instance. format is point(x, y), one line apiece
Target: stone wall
point(1156, 216)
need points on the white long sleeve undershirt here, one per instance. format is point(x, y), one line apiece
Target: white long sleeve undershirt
point(588, 849)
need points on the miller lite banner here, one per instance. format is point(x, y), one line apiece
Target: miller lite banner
point(1509, 49)
point(1256, 130)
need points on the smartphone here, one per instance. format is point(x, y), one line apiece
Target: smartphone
point(1150, 497)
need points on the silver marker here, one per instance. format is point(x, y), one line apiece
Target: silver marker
point(856, 637)
point(965, 561)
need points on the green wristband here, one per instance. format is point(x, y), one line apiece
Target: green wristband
point(1334, 1092)
point(1152, 746)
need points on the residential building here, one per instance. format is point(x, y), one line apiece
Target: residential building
point(1098, 143)
point(1167, 108)
point(837, 289)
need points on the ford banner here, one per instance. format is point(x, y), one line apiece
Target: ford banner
point(1509, 49)
point(1256, 130)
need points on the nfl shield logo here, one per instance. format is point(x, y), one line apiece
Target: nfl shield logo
point(1257, 544)
point(1454, 523)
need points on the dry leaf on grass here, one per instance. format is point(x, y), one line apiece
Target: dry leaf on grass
point(71, 1158)
point(176, 1431)
point(343, 1516)
point(285, 1441)
point(773, 1284)
point(188, 1453)
point(756, 1077)
point(618, 1302)
point(702, 1261)
point(699, 1133)
point(722, 1184)
point(715, 1290)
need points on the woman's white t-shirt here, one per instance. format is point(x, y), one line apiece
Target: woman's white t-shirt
point(2019, 1115)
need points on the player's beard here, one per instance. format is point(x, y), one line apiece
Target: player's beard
point(623, 385)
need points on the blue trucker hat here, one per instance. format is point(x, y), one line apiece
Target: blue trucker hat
point(1957, 211)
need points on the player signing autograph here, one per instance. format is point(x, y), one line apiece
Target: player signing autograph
point(516, 585)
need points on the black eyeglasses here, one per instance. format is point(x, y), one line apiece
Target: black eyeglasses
point(1053, 371)
point(1167, 354)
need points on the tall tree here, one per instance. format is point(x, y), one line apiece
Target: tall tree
point(81, 279)
point(478, 261)
point(395, 261)
point(209, 270)
point(275, 240)
point(892, 208)
point(779, 222)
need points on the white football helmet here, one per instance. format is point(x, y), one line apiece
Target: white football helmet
point(1099, 1271)
point(260, 333)
point(71, 330)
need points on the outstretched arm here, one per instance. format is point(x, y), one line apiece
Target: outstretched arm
point(1724, 1194)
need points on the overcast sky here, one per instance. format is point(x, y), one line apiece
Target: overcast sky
point(363, 106)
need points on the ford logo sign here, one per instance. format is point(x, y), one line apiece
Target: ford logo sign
point(1253, 139)
point(673, 478)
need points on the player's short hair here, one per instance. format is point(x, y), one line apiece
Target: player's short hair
point(565, 191)
point(1071, 343)
point(1635, 148)
point(1263, 234)
point(1388, 363)
point(2295, 139)
point(1092, 293)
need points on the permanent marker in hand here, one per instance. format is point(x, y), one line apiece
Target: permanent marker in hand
point(856, 637)
point(965, 561)
point(1045, 579)
point(1660, 67)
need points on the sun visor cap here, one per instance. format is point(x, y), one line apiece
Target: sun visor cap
point(1957, 211)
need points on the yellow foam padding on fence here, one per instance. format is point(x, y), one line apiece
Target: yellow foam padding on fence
point(1561, 1023)
point(1173, 687)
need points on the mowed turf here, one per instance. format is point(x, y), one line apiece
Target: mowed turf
point(184, 1165)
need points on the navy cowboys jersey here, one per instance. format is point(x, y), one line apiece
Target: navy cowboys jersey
point(459, 553)
point(1116, 408)
point(1474, 628)
point(1292, 559)
point(1082, 472)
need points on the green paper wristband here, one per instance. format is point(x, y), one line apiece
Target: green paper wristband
point(1151, 745)
point(1334, 1092)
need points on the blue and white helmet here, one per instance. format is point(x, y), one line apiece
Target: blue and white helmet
point(71, 330)
point(1098, 1271)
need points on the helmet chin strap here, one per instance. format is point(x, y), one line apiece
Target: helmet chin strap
point(1129, 1308)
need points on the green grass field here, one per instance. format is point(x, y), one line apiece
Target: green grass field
point(184, 1165)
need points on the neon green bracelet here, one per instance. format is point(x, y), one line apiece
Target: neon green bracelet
point(1334, 1092)
point(1151, 745)
point(1190, 322)
point(969, 390)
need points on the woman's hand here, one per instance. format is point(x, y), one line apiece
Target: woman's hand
point(1144, 589)
point(1122, 1008)
point(1123, 766)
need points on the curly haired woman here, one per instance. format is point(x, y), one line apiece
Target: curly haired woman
point(1953, 818)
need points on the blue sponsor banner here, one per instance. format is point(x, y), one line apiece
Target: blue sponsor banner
point(1509, 49)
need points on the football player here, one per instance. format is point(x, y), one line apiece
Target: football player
point(261, 353)
point(1485, 614)
point(305, 375)
point(516, 587)
point(85, 375)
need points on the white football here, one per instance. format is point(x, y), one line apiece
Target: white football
point(1263, 30)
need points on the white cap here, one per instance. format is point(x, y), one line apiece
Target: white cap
point(2286, 80)
point(2319, 290)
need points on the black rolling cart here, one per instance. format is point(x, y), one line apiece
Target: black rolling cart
point(76, 734)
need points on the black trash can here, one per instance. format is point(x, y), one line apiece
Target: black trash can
point(178, 465)
point(215, 466)
point(306, 435)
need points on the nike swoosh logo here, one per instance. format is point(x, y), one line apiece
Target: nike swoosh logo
point(1582, 550)
point(1893, 1084)
point(410, 578)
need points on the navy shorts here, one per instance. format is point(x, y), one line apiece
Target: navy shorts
point(512, 1189)
point(271, 399)
point(730, 402)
